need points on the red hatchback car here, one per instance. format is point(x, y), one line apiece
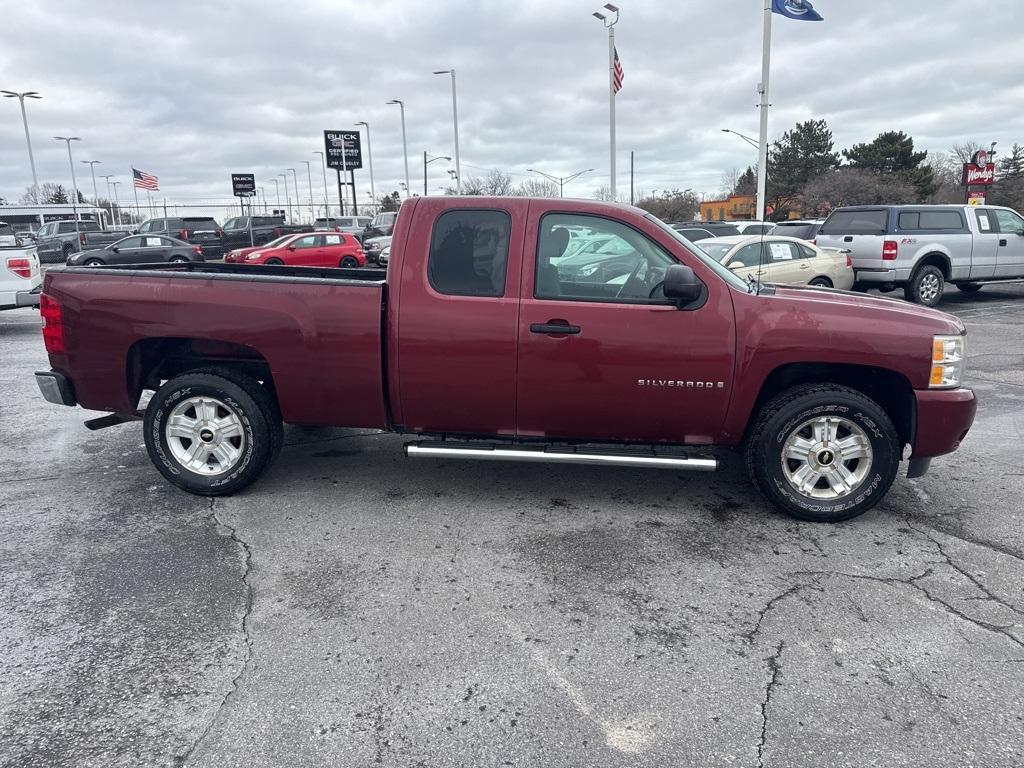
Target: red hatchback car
point(308, 249)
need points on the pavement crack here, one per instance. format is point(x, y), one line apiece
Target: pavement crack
point(751, 636)
point(965, 573)
point(775, 670)
point(245, 629)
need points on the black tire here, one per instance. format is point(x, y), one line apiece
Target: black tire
point(274, 262)
point(822, 282)
point(94, 263)
point(783, 417)
point(262, 434)
point(969, 287)
point(179, 260)
point(925, 286)
point(349, 262)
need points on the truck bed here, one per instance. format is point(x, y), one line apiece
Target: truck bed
point(318, 331)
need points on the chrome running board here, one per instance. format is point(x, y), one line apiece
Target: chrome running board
point(623, 457)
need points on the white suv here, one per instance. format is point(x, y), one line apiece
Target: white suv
point(20, 277)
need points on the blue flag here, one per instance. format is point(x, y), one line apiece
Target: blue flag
point(801, 10)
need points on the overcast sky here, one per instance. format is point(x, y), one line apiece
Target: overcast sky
point(191, 91)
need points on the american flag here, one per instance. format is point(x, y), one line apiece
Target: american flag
point(145, 180)
point(618, 75)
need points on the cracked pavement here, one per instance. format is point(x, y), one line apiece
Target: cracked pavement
point(357, 608)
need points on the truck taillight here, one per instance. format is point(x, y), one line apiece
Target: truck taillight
point(183, 234)
point(197, 249)
point(889, 250)
point(81, 237)
point(849, 261)
point(20, 267)
point(277, 231)
point(53, 324)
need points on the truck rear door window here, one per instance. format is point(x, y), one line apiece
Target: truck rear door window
point(469, 253)
point(856, 223)
point(929, 220)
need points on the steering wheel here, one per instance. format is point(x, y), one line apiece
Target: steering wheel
point(632, 276)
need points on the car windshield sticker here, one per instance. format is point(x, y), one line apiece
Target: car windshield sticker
point(780, 252)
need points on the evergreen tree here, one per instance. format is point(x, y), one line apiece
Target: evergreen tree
point(893, 152)
point(801, 155)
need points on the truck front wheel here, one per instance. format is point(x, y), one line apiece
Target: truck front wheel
point(212, 433)
point(823, 452)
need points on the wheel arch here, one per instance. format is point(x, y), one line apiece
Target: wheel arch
point(890, 389)
point(937, 259)
point(153, 360)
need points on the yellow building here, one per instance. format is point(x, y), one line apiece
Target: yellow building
point(733, 208)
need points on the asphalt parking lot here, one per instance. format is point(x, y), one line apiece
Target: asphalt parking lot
point(356, 608)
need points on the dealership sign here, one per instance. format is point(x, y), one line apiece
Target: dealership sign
point(243, 184)
point(343, 144)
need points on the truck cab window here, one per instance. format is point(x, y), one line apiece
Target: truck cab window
point(469, 253)
point(611, 263)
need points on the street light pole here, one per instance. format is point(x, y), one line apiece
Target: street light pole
point(561, 181)
point(405, 145)
point(28, 139)
point(369, 157)
point(287, 199)
point(609, 24)
point(117, 202)
point(750, 141)
point(92, 169)
point(298, 201)
point(107, 179)
point(455, 121)
point(427, 162)
point(309, 178)
point(277, 190)
point(323, 167)
point(74, 182)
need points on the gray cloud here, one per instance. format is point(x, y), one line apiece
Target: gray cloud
point(192, 91)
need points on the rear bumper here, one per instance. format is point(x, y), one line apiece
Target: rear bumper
point(28, 298)
point(875, 275)
point(56, 388)
point(943, 418)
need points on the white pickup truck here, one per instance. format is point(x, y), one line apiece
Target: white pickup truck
point(20, 276)
point(922, 247)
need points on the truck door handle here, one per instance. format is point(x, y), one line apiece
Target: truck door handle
point(1002, 241)
point(556, 328)
point(848, 239)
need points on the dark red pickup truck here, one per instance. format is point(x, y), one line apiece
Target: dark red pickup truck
point(491, 337)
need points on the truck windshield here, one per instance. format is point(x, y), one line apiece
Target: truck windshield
point(239, 222)
point(728, 275)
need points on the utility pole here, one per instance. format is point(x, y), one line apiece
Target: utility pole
point(369, 157)
point(405, 145)
point(455, 121)
point(28, 140)
point(74, 182)
point(609, 24)
point(323, 169)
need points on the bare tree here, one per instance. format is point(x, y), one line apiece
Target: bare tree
point(730, 180)
point(499, 184)
point(964, 152)
point(855, 186)
point(538, 188)
point(672, 205)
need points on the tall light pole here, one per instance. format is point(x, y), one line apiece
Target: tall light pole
point(28, 139)
point(107, 178)
point(561, 181)
point(309, 178)
point(295, 178)
point(369, 157)
point(277, 190)
point(427, 162)
point(455, 121)
point(323, 168)
point(609, 24)
point(287, 199)
point(92, 169)
point(74, 182)
point(750, 141)
point(405, 145)
point(117, 202)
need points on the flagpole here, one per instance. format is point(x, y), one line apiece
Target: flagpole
point(611, 107)
point(762, 88)
point(135, 189)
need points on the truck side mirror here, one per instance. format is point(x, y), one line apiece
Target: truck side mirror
point(115, 249)
point(681, 284)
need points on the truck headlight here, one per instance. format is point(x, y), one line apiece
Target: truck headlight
point(947, 362)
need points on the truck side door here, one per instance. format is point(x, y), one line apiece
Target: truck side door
point(985, 243)
point(1010, 257)
point(610, 359)
point(457, 308)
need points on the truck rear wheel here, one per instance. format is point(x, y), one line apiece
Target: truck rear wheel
point(823, 452)
point(212, 433)
point(925, 286)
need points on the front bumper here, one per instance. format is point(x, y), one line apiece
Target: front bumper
point(944, 417)
point(56, 388)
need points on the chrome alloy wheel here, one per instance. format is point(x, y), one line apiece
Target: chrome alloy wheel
point(929, 288)
point(826, 457)
point(205, 435)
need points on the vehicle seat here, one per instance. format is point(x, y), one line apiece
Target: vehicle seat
point(553, 245)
